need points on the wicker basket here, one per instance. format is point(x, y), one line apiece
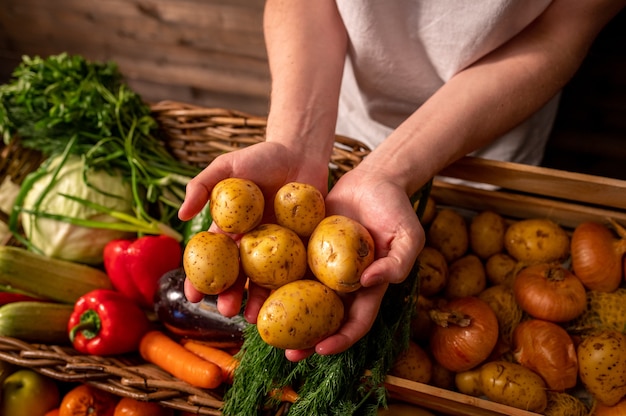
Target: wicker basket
point(194, 135)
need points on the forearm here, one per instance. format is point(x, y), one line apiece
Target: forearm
point(492, 96)
point(306, 45)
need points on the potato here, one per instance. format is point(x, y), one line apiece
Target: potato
point(466, 277)
point(403, 409)
point(430, 210)
point(537, 240)
point(442, 377)
point(513, 385)
point(449, 234)
point(500, 268)
point(602, 365)
point(339, 249)
point(272, 255)
point(299, 207)
point(468, 382)
point(486, 234)
point(413, 364)
point(433, 271)
point(211, 262)
point(237, 205)
point(299, 314)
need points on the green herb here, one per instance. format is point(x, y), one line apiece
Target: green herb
point(349, 383)
point(64, 99)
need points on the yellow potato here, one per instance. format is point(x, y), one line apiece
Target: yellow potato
point(602, 365)
point(272, 255)
point(430, 210)
point(486, 232)
point(236, 205)
point(211, 262)
point(413, 364)
point(466, 277)
point(537, 240)
point(299, 207)
point(299, 314)
point(500, 268)
point(507, 383)
point(513, 385)
point(449, 234)
point(339, 249)
point(433, 271)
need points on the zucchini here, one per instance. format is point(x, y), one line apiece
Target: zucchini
point(34, 321)
point(49, 278)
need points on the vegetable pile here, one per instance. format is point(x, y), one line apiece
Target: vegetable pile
point(519, 311)
point(523, 312)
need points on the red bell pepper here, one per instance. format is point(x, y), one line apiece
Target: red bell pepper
point(105, 322)
point(135, 266)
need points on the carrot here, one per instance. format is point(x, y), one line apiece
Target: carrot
point(285, 394)
point(161, 350)
point(224, 360)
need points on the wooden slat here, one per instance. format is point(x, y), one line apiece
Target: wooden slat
point(516, 206)
point(115, 28)
point(446, 401)
point(554, 183)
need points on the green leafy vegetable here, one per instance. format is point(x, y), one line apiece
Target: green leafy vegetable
point(49, 194)
point(67, 104)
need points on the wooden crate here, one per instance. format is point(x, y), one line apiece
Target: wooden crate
point(516, 192)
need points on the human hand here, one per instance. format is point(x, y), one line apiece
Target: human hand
point(386, 211)
point(270, 165)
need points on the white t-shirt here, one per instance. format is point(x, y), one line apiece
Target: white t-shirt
point(402, 51)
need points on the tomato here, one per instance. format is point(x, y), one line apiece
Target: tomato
point(131, 407)
point(85, 400)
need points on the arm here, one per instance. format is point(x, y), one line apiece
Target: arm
point(476, 106)
point(493, 95)
point(306, 44)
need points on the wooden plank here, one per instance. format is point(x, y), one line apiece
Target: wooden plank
point(446, 401)
point(139, 34)
point(206, 78)
point(154, 92)
point(554, 183)
point(193, 13)
point(516, 206)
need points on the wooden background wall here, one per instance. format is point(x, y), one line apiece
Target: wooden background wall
point(211, 52)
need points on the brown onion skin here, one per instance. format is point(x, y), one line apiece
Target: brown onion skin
point(547, 349)
point(549, 292)
point(459, 348)
point(597, 256)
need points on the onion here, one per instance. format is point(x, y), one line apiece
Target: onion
point(597, 255)
point(548, 350)
point(465, 333)
point(550, 292)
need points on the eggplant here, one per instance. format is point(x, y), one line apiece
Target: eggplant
point(199, 320)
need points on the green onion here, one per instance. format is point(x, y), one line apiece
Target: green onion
point(67, 104)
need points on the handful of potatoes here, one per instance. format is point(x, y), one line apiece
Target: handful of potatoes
point(301, 309)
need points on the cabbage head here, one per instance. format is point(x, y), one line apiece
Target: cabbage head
point(61, 239)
